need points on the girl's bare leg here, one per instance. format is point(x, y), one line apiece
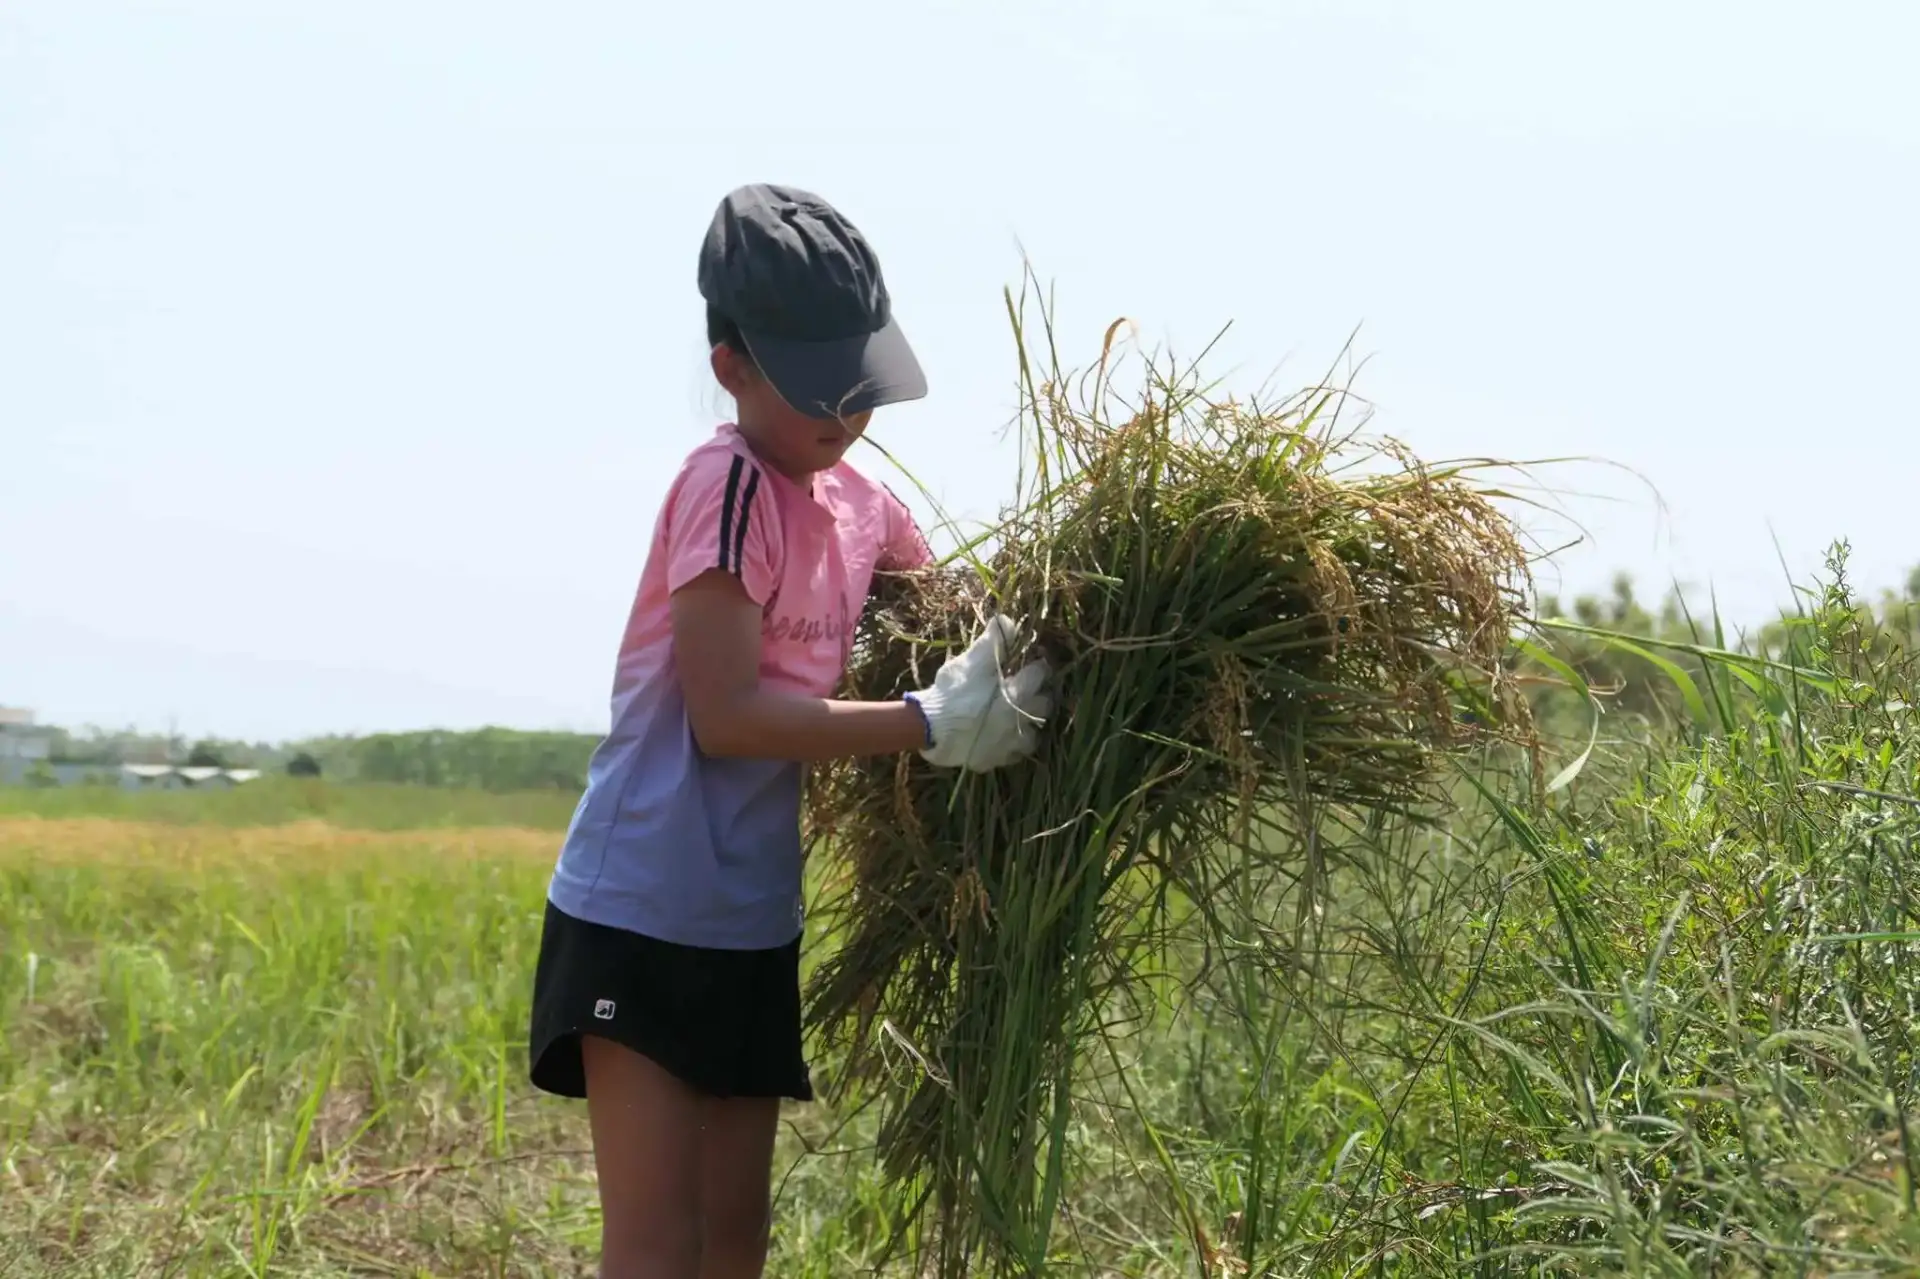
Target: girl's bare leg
point(647, 1153)
point(736, 1173)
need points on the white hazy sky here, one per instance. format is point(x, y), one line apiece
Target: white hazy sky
point(345, 349)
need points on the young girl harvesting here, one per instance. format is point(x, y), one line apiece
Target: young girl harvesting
point(667, 991)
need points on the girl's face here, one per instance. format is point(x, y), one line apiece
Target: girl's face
point(792, 443)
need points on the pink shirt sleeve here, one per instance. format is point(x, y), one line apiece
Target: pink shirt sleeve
point(722, 515)
point(905, 547)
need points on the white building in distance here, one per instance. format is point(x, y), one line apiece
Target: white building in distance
point(26, 756)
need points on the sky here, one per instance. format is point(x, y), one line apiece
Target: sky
point(346, 350)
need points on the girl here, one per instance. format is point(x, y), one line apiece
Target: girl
point(668, 986)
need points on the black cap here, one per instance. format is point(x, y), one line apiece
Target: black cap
point(804, 288)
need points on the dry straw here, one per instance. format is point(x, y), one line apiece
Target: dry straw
point(1252, 616)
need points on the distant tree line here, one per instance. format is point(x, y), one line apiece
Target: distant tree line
point(495, 759)
point(99, 746)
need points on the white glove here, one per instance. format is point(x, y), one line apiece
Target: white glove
point(977, 718)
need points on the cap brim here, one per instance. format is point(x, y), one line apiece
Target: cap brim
point(843, 377)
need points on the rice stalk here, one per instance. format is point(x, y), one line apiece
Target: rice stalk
point(1253, 618)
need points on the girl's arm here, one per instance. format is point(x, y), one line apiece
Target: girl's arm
point(716, 649)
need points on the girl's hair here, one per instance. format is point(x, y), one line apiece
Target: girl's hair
point(724, 332)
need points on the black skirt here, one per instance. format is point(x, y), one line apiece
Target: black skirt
point(724, 1022)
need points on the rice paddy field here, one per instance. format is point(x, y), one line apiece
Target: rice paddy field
point(1659, 1021)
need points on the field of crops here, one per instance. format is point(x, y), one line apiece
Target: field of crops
point(276, 801)
point(1659, 1021)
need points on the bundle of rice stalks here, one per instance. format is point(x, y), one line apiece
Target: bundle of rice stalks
point(1246, 625)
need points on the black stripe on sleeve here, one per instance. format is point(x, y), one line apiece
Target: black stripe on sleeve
point(746, 511)
point(726, 512)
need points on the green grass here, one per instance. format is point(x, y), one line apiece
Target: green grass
point(1664, 1024)
point(297, 1051)
point(272, 801)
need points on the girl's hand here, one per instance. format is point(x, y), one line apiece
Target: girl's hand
point(977, 718)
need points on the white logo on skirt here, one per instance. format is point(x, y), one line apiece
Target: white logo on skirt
point(603, 1009)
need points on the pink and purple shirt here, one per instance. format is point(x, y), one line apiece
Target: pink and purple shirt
point(704, 851)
